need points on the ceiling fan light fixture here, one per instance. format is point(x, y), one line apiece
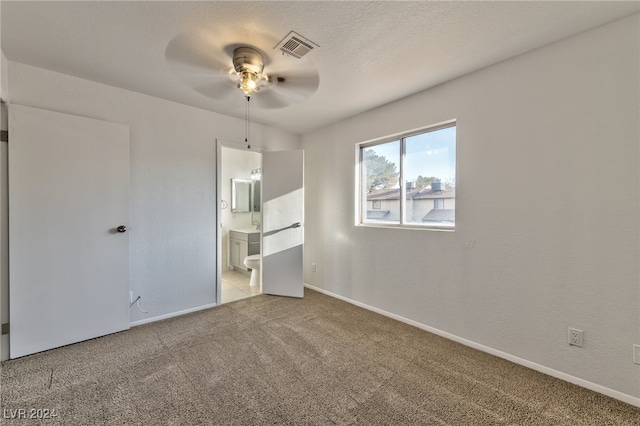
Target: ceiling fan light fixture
point(247, 72)
point(248, 64)
point(249, 83)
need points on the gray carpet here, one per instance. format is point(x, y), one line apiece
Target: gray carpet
point(273, 360)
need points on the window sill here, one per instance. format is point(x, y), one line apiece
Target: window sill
point(407, 226)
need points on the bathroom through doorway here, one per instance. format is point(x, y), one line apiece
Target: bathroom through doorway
point(239, 238)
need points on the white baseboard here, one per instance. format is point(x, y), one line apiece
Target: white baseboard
point(541, 368)
point(171, 315)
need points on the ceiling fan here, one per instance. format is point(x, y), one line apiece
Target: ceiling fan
point(234, 71)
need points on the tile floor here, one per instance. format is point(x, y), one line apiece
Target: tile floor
point(235, 286)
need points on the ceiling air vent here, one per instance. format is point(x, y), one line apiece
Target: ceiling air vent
point(296, 45)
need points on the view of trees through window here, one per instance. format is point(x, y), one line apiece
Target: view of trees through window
point(410, 180)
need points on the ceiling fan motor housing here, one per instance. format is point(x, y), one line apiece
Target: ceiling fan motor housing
point(248, 59)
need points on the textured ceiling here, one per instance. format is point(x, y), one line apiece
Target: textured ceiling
point(370, 53)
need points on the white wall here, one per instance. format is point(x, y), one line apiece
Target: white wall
point(173, 194)
point(539, 138)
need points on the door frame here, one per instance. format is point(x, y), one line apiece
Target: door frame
point(219, 145)
point(4, 230)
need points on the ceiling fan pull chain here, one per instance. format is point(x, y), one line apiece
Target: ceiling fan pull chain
point(246, 139)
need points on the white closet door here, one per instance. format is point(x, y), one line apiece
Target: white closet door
point(68, 263)
point(282, 223)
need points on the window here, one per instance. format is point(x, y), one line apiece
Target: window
point(409, 180)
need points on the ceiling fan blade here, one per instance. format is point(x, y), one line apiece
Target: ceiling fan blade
point(293, 87)
point(269, 99)
point(198, 62)
point(218, 90)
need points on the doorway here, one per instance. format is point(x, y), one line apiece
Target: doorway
point(239, 188)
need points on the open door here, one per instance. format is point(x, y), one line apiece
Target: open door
point(282, 223)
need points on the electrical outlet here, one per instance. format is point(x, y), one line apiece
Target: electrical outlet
point(314, 268)
point(130, 297)
point(576, 337)
point(636, 354)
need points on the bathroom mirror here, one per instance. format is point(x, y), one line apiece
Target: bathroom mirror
point(256, 195)
point(240, 195)
point(256, 215)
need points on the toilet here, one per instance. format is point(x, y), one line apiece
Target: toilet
point(253, 262)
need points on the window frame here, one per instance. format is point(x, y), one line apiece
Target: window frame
point(360, 195)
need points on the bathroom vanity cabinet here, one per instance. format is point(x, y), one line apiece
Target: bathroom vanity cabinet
point(242, 243)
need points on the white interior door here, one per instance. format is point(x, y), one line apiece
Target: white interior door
point(282, 223)
point(68, 263)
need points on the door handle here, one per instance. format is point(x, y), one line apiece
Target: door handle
point(275, 231)
point(121, 228)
